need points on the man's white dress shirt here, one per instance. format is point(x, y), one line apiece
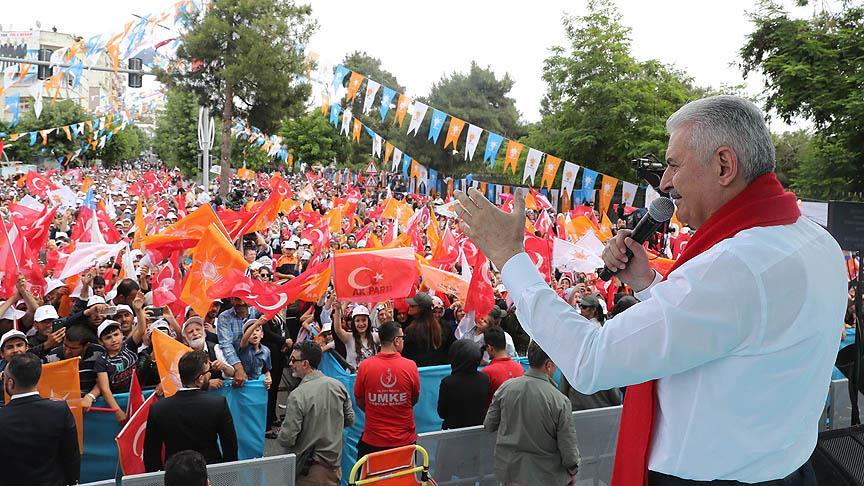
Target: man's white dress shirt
point(741, 338)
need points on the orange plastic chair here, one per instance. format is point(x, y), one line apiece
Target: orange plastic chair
point(393, 467)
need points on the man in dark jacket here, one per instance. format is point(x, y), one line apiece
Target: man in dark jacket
point(191, 419)
point(463, 396)
point(38, 437)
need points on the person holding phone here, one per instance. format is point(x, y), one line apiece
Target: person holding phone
point(47, 331)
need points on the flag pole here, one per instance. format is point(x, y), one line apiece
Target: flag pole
point(11, 249)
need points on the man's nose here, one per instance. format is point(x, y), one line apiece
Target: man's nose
point(666, 181)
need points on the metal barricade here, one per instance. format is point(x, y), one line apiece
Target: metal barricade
point(839, 407)
point(466, 456)
point(265, 471)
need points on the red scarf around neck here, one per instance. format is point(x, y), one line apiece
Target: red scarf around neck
point(762, 203)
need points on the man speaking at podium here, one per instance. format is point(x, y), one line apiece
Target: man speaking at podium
point(727, 360)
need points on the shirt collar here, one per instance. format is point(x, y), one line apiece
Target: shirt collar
point(537, 374)
point(313, 375)
point(22, 395)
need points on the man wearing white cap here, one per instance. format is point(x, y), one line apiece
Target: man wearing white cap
point(54, 292)
point(43, 337)
point(196, 337)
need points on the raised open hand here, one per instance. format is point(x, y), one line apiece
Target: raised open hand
point(497, 234)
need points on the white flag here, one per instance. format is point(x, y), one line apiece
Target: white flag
point(371, 91)
point(418, 112)
point(448, 209)
point(628, 193)
point(36, 93)
point(346, 122)
point(650, 196)
point(397, 159)
point(376, 145)
point(532, 162)
point(471, 141)
point(88, 255)
point(582, 256)
point(569, 178)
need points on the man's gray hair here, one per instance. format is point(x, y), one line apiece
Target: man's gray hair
point(731, 121)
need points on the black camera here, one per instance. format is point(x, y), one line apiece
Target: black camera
point(650, 168)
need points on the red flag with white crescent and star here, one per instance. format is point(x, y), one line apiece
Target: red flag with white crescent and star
point(374, 275)
point(481, 297)
point(540, 251)
point(266, 297)
point(130, 440)
point(39, 185)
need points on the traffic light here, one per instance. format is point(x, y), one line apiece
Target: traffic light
point(135, 64)
point(44, 72)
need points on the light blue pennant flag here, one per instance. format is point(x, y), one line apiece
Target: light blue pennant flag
point(386, 98)
point(438, 118)
point(493, 144)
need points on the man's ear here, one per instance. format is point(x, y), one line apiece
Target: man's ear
point(728, 165)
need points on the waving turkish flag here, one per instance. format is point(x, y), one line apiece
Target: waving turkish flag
point(130, 440)
point(266, 297)
point(318, 234)
point(374, 275)
point(540, 251)
point(280, 186)
point(447, 251)
point(39, 185)
point(163, 286)
point(480, 298)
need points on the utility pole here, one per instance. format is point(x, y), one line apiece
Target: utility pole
point(206, 134)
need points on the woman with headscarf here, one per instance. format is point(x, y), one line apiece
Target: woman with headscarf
point(462, 395)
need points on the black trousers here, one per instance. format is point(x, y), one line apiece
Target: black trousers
point(803, 476)
point(277, 363)
point(364, 448)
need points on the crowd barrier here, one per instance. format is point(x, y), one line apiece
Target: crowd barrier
point(248, 406)
point(266, 471)
point(465, 456)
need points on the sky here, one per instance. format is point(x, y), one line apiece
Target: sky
point(420, 42)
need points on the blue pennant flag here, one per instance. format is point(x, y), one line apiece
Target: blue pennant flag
point(335, 111)
point(493, 144)
point(89, 200)
point(433, 179)
point(339, 76)
point(33, 136)
point(369, 132)
point(12, 104)
point(77, 70)
point(61, 159)
point(490, 192)
point(386, 99)
point(406, 164)
point(109, 136)
point(588, 178)
point(73, 128)
point(438, 118)
point(469, 179)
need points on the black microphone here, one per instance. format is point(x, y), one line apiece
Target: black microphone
point(661, 211)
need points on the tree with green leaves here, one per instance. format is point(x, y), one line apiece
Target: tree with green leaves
point(814, 69)
point(124, 145)
point(603, 108)
point(55, 114)
point(176, 140)
point(313, 140)
point(244, 59)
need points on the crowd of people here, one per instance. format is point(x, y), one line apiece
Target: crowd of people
point(106, 317)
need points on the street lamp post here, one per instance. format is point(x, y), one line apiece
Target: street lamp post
point(206, 134)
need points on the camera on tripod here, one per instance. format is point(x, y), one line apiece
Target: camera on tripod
point(650, 168)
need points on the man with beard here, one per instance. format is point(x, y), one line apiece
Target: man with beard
point(196, 338)
point(191, 419)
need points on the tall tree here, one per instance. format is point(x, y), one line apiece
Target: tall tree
point(244, 58)
point(603, 107)
point(176, 141)
point(814, 68)
point(313, 140)
point(124, 145)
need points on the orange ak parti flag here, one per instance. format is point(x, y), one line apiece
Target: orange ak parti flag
point(167, 353)
point(213, 257)
point(443, 281)
point(60, 381)
point(374, 275)
point(186, 232)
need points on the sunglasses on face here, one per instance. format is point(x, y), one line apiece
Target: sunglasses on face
point(293, 360)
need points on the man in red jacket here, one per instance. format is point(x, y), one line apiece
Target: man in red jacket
point(386, 389)
point(501, 368)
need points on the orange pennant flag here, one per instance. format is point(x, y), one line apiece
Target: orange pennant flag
point(605, 233)
point(86, 184)
point(288, 205)
point(511, 159)
point(68, 133)
point(607, 189)
point(44, 134)
point(565, 202)
point(578, 226)
point(443, 281)
point(433, 233)
point(402, 240)
point(325, 105)
point(550, 170)
point(372, 241)
point(388, 149)
point(453, 132)
point(355, 135)
point(402, 108)
point(167, 353)
point(334, 218)
point(60, 381)
point(213, 257)
point(353, 85)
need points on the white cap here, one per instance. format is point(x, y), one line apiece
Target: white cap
point(171, 215)
point(161, 324)
point(44, 313)
point(107, 323)
point(61, 234)
point(359, 310)
point(123, 308)
point(327, 327)
point(501, 288)
point(191, 321)
point(136, 253)
point(256, 265)
point(95, 299)
point(53, 284)
point(306, 255)
point(304, 241)
point(12, 334)
point(289, 245)
point(437, 302)
point(13, 314)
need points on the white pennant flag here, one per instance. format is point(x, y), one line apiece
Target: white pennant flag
point(376, 146)
point(397, 159)
point(569, 178)
point(650, 196)
point(346, 122)
point(628, 193)
point(582, 256)
point(418, 112)
point(531, 165)
point(371, 90)
point(471, 141)
point(9, 75)
point(36, 94)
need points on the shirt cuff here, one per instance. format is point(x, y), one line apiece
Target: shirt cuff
point(519, 273)
point(645, 293)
